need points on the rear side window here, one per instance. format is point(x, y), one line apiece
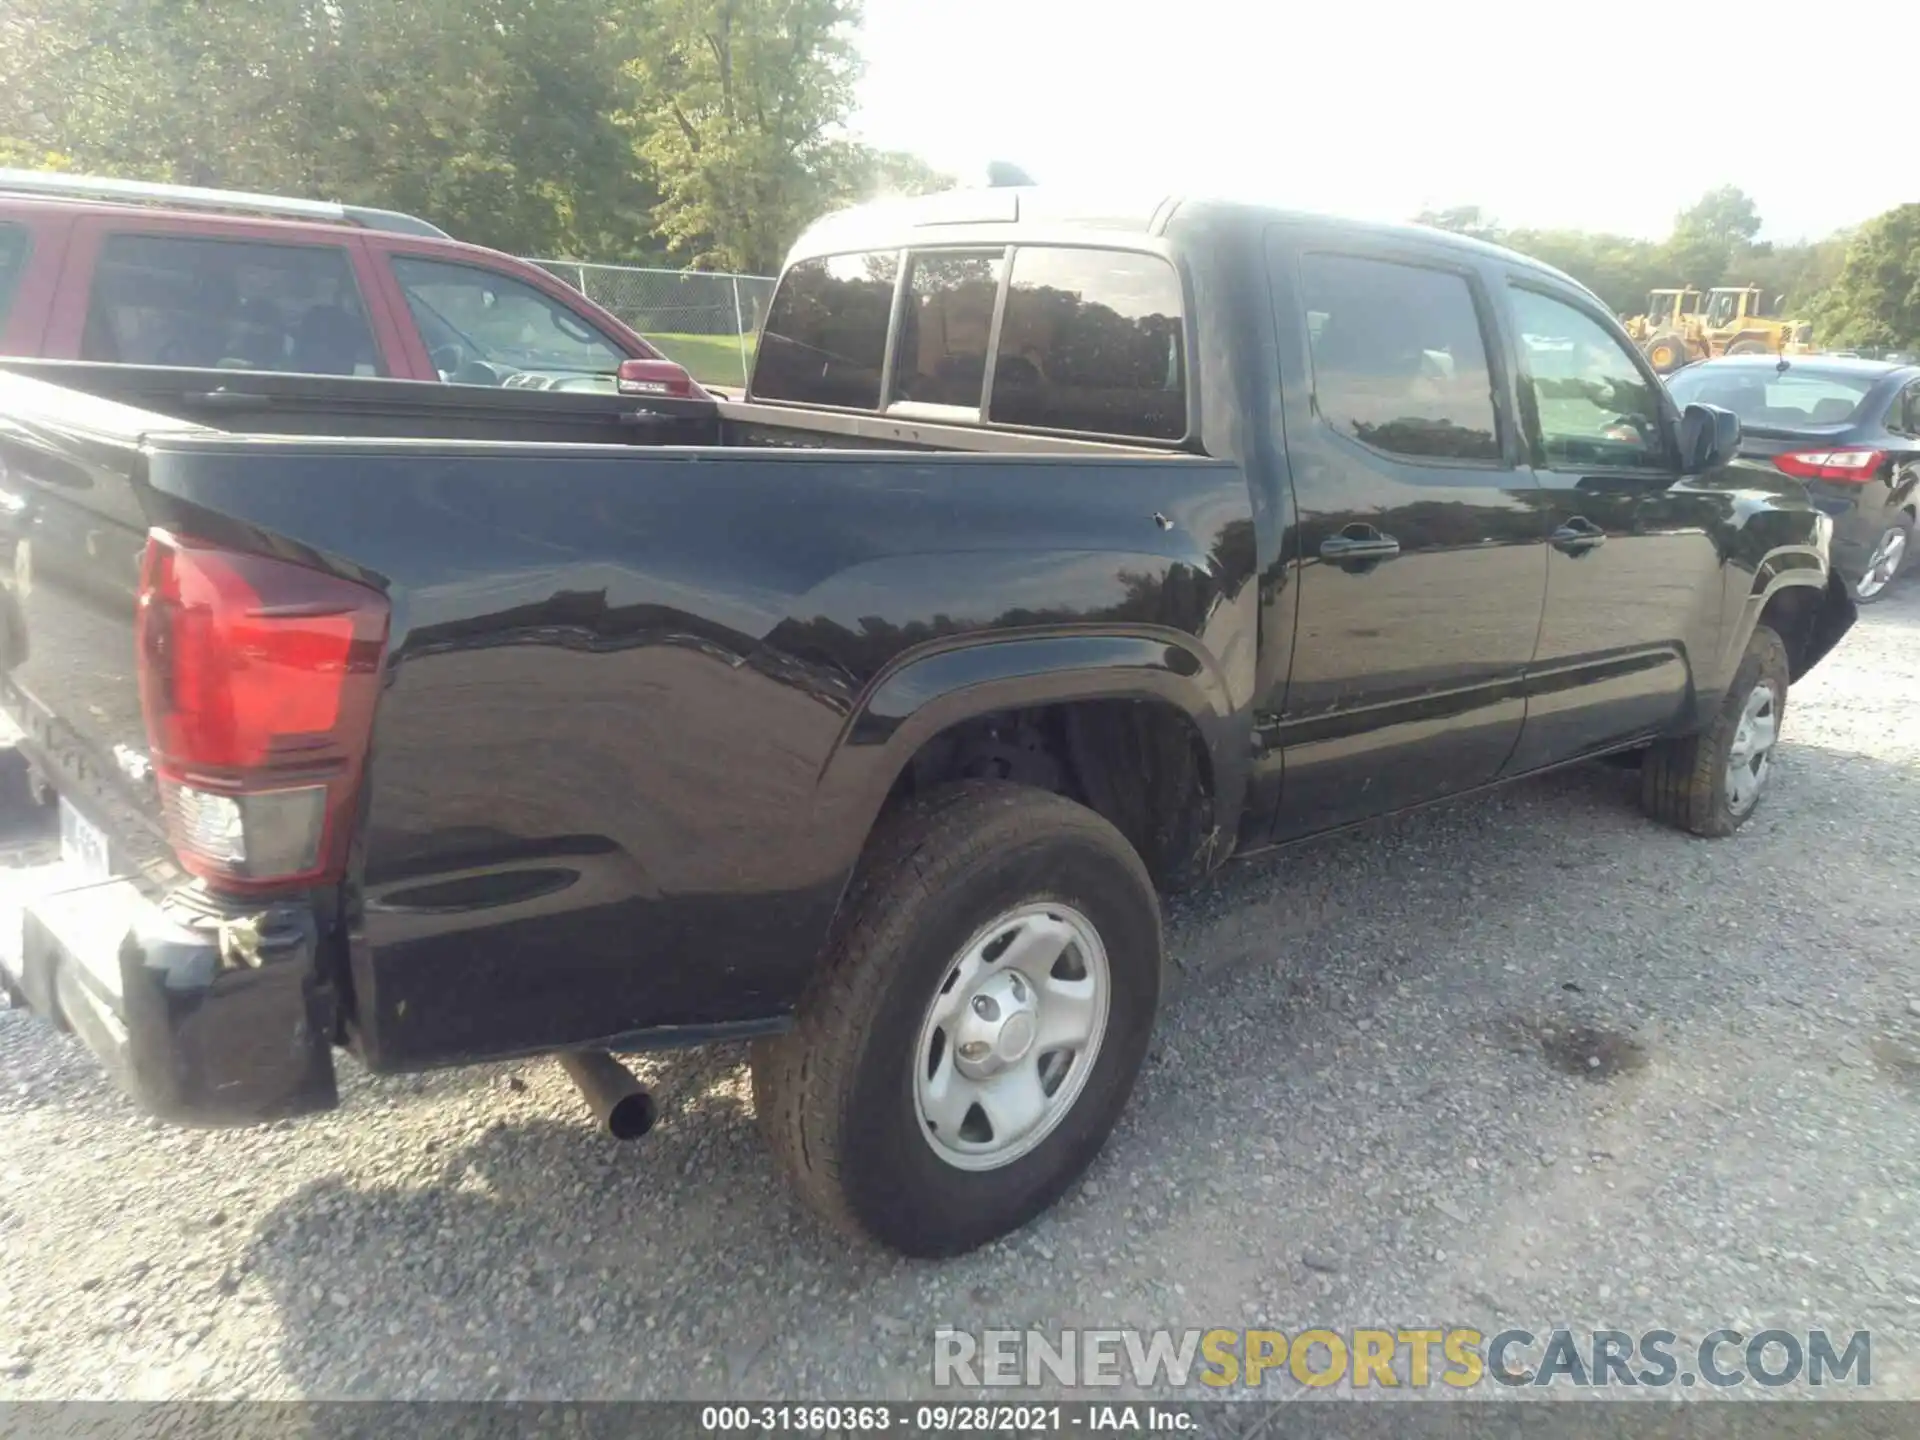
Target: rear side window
point(825, 340)
point(1091, 342)
point(227, 304)
point(14, 245)
point(946, 328)
point(1399, 360)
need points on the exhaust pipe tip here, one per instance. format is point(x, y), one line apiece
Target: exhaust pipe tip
point(631, 1116)
point(621, 1106)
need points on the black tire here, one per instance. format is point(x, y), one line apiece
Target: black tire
point(1684, 781)
point(835, 1095)
point(1749, 347)
point(1904, 528)
point(1666, 353)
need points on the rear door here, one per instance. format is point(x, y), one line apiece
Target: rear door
point(176, 290)
point(1633, 575)
point(1422, 540)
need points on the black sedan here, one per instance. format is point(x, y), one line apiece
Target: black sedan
point(1850, 428)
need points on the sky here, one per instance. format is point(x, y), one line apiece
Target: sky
point(1545, 115)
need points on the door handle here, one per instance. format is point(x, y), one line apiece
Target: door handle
point(1578, 536)
point(1358, 543)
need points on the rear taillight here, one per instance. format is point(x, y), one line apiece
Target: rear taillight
point(1850, 467)
point(258, 679)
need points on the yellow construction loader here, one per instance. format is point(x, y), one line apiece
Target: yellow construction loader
point(1669, 333)
point(1739, 322)
point(1735, 320)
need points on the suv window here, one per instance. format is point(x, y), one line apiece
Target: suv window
point(1593, 405)
point(826, 333)
point(1399, 360)
point(485, 328)
point(1092, 342)
point(227, 304)
point(946, 328)
point(14, 244)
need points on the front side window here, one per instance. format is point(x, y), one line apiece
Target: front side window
point(1399, 362)
point(227, 305)
point(1092, 342)
point(14, 245)
point(1595, 408)
point(825, 341)
point(946, 328)
point(485, 328)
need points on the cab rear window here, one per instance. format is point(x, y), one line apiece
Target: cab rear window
point(825, 341)
point(1090, 341)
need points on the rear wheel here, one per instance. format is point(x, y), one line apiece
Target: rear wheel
point(1711, 783)
point(977, 1026)
point(1885, 563)
point(1748, 347)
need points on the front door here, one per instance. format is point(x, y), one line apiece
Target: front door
point(1633, 594)
point(1422, 548)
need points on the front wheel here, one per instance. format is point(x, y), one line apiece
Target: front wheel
point(1889, 555)
point(1711, 783)
point(976, 1028)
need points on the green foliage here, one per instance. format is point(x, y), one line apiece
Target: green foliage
point(491, 117)
point(1712, 243)
point(740, 104)
point(649, 131)
point(1709, 234)
point(1874, 302)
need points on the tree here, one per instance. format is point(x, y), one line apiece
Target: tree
point(1710, 233)
point(740, 115)
point(1468, 220)
point(1875, 301)
point(493, 118)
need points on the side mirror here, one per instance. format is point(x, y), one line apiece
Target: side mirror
point(1709, 438)
point(653, 377)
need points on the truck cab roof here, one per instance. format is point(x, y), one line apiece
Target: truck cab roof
point(1041, 215)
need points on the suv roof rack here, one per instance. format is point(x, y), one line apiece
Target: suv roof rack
point(194, 197)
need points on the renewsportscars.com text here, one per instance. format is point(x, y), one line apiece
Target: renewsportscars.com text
point(1415, 1357)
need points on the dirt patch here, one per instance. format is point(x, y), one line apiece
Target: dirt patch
point(1590, 1052)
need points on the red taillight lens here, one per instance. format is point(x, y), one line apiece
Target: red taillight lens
point(258, 679)
point(1850, 467)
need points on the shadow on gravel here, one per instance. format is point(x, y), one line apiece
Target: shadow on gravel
point(539, 1260)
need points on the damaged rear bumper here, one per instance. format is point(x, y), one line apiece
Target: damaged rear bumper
point(197, 1028)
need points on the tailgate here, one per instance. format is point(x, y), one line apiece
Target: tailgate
point(72, 528)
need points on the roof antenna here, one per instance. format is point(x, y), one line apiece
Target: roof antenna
point(1002, 175)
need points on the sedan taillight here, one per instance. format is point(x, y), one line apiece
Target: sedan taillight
point(1849, 467)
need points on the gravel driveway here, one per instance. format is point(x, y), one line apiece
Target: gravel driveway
point(1521, 1060)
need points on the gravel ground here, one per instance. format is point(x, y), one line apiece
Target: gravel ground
point(1374, 1100)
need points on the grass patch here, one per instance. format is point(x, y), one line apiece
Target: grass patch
point(710, 359)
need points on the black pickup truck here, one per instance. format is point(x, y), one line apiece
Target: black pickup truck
point(1055, 555)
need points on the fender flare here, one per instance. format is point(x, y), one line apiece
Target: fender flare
point(932, 689)
point(1790, 567)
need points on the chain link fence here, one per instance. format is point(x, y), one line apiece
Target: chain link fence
point(706, 321)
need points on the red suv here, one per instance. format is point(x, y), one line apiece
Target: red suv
point(137, 274)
